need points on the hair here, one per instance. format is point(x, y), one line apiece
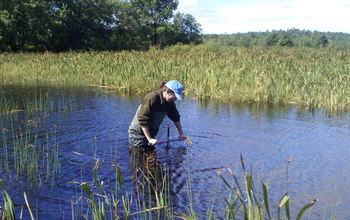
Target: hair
point(162, 84)
point(163, 87)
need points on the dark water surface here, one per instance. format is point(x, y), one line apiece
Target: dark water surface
point(93, 124)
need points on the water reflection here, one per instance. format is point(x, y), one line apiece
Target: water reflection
point(163, 169)
point(143, 161)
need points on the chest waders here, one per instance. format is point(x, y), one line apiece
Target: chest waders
point(136, 136)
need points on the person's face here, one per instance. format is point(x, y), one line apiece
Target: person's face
point(169, 95)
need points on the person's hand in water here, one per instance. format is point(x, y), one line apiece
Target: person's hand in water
point(182, 137)
point(152, 142)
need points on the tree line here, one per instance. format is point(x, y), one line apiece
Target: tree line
point(61, 25)
point(289, 38)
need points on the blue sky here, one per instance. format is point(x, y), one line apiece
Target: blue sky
point(233, 16)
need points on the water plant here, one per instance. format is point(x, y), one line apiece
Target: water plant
point(36, 159)
point(34, 101)
point(7, 212)
point(149, 198)
point(308, 77)
point(246, 199)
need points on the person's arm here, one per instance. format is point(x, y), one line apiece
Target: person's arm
point(179, 129)
point(174, 115)
point(151, 141)
point(144, 116)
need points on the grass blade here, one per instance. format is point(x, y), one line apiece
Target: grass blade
point(242, 162)
point(266, 199)
point(27, 203)
point(301, 212)
point(282, 202)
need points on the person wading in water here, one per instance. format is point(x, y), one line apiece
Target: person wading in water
point(151, 112)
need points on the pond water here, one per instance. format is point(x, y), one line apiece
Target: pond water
point(94, 125)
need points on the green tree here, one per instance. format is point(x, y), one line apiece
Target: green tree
point(285, 41)
point(83, 24)
point(272, 39)
point(187, 29)
point(7, 26)
point(319, 40)
point(24, 25)
point(60, 25)
point(130, 32)
point(322, 41)
point(155, 16)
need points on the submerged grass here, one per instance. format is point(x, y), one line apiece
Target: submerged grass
point(313, 78)
point(33, 100)
point(150, 198)
point(23, 155)
point(8, 210)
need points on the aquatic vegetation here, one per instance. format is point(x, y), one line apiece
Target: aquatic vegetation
point(34, 156)
point(244, 202)
point(22, 152)
point(247, 200)
point(150, 196)
point(33, 100)
point(308, 77)
point(8, 211)
point(313, 78)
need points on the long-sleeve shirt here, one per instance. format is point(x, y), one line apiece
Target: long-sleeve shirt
point(152, 103)
point(151, 113)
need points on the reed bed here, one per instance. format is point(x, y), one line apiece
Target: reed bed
point(312, 78)
point(22, 155)
point(147, 198)
point(33, 101)
point(150, 198)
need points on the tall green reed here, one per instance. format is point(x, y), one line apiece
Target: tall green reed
point(37, 161)
point(148, 199)
point(153, 200)
point(311, 78)
point(8, 211)
point(248, 203)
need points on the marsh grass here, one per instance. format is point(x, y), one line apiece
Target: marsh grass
point(151, 199)
point(8, 210)
point(311, 78)
point(12, 102)
point(251, 203)
point(36, 161)
point(34, 101)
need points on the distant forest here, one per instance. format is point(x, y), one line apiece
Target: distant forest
point(83, 25)
point(289, 38)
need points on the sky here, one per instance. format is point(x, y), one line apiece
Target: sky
point(241, 16)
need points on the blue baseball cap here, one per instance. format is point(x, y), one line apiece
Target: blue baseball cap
point(176, 87)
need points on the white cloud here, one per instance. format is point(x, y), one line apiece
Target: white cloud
point(220, 17)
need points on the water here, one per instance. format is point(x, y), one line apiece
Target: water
point(94, 124)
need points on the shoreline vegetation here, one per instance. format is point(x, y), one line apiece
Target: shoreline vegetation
point(314, 78)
